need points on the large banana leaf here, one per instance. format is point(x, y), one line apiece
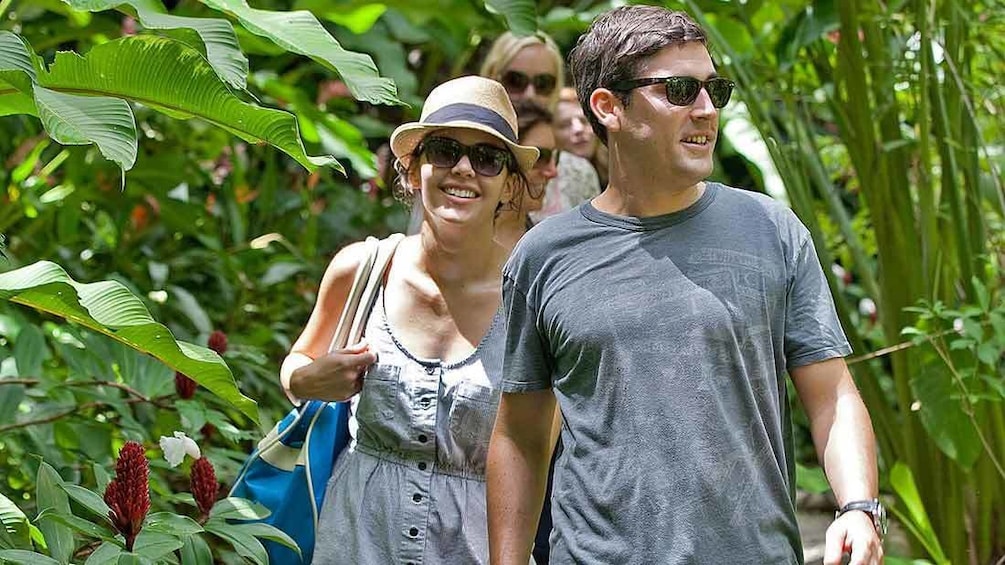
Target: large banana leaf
point(217, 34)
point(300, 32)
point(521, 15)
point(110, 308)
point(70, 119)
point(173, 78)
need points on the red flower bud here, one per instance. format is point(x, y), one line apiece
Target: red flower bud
point(218, 342)
point(128, 494)
point(208, 431)
point(184, 386)
point(204, 485)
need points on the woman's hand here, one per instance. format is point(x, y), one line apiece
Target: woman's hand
point(333, 377)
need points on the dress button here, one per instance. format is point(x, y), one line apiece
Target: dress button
point(423, 438)
point(422, 465)
point(413, 531)
point(416, 497)
point(430, 370)
point(424, 403)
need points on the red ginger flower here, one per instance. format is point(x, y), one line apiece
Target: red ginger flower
point(184, 386)
point(204, 485)
point(128, 494)
point(218, 342)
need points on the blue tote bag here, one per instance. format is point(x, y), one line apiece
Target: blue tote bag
point(288, 471)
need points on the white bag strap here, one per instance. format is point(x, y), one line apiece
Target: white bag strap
point(369, 276)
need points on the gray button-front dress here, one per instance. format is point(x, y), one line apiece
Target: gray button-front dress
point(411, 490)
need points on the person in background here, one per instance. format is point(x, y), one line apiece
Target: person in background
point(531, 67)
point(574, 134)
point(412, 488)
point(535, 131)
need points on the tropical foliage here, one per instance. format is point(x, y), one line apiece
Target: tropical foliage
point(170, 177)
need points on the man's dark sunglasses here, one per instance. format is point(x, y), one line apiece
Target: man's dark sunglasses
point(683, 91)
point(486, 160)
point(516, 82)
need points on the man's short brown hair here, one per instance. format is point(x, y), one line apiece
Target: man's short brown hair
point(617, 43)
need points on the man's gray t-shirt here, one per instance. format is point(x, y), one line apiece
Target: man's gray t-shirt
point(666, 340)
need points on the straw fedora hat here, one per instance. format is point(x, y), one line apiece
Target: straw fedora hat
point(470, 102)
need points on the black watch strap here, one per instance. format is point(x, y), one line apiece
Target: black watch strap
point(873, 507)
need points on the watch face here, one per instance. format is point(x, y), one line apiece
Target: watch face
point(880, 517)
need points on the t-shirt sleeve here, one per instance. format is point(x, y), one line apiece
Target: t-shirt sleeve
point(525, 358)
point(812, 330)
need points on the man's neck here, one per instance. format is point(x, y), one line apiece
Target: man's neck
point(646, 199)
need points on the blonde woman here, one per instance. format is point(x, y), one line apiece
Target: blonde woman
point(531, 68)
point(412, 488)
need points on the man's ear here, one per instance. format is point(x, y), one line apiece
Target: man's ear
point(608, 109)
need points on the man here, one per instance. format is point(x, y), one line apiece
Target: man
point(663, 316)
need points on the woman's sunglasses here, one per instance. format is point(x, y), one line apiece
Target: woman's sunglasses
point(683, 91)
point(516, 82)
point(546, 156)
point(486, 160)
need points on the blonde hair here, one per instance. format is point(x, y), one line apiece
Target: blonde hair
point(504, 50)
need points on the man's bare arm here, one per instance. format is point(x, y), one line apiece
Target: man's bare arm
point(843, 436)
point(517, 473)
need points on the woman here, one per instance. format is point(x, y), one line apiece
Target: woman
point(535, 131)
point(575, 134)
point(531, 68)
point(412, 488)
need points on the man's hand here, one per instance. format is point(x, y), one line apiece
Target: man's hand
point(334, 377)
point(853, 533)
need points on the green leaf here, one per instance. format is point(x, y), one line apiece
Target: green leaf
point(196, 551)
point(189, 305)
point(30, 351)
point(234, 508)
point(171, 524)
point(70, 119)
point(269, 532)
point(15, 103)
point(154, 545)
point(77, 524)
point(358, 20)
point(222, 49)
point(49, 494)
point(13, 526)
point(22, 557)
point(942, 415)
point(812, 479)
point(88, 499)
point(133, 559)
point(82, 120)
point(101, 477)
point(106, 554)
point(246, 545)
point(281, 271)
point(521, 15)
point(175, 79)
point(914, 515)
point(17, 62)
point(300, 32)
point(989, 353)
point(109, 308)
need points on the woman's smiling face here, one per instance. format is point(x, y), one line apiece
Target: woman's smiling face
point(458, 194)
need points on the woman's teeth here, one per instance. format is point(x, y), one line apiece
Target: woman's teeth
point(460, 192)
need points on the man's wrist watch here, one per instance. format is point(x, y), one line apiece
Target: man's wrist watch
point(873, 508)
